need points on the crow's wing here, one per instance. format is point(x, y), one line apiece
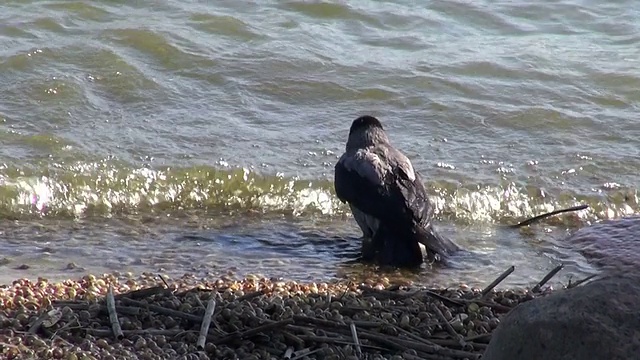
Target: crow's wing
point(381, 182)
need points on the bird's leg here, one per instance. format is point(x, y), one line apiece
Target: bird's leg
point(368, 250)
point(382, 247)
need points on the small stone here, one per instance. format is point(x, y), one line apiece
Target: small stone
point(23, 267)
point(447, 315)
point(161, 340)
point(405, 321)
point(140, 343)
point(457, 324)
point(38, 343)
point(210, 348)
point(58, 353)
point(102, 343)
point(84, 315)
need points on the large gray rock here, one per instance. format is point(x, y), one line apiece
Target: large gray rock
point(610, 244)
point(598, 320)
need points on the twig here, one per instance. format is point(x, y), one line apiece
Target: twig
point(36, 324)
point(163, 310)
point(416, 337)
point(113, 315)
point(197, 299)
point(547, 277)
point(335, 340)
point(546, 215)
point(127, 310)
point(480, 337)
point(455, 344)
point(398, 344)
point(251, 332)
point(306, 353)
point(448, 326)
point(156, 332)
point(322, 322)
point(425, 357)
point(288, 353)
point(206, 322)
point(402, 344)
point(354, 334)
point(386, 293)
point(294, 338)
point(444, 299)
point(143, 293)
point(498, 280)
point(165, 283)
point(579, 282)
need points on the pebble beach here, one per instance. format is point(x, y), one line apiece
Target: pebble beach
point(167, 174)
point(151, 316)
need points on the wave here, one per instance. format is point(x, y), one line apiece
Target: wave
point(108, 189)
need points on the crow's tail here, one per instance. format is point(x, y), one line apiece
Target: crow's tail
point(438, 247)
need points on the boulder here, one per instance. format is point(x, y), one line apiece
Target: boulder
point(610, 244)
point(598, 320)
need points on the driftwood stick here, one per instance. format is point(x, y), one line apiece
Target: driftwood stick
point(163, 310)
point(547, 277)
point(38, 322)
point(498, 280)
point(444, 299)
point(549, 214)
point(127, 310)
point(354, 334)
point(480, 337)
point(317, 321)
point(424, 356)
point(163, 281)
point(113, 315)
point(60, 303)
point(453, 343)
point(336, 340)
point(367, 290)
point(448, 326)
point(403, 344)
point(289, 353)
point(251, 332)
point(293, 338)
point(579, 282)
point(143, 293)
point(304, 353)
point(417, 337)
point(395, 343)
point(206, 322)
point(164, 332)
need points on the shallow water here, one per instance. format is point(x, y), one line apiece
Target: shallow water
point(189, 136)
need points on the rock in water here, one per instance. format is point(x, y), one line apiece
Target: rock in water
point(610, 244)
point(599, 320)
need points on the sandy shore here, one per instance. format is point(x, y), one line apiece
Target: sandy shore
point(157, 317)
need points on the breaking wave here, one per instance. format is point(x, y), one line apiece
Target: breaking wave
point(106, 189)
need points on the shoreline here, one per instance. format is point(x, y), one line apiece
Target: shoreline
point(253, 318)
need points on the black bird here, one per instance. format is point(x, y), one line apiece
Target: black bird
point(387, 199)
